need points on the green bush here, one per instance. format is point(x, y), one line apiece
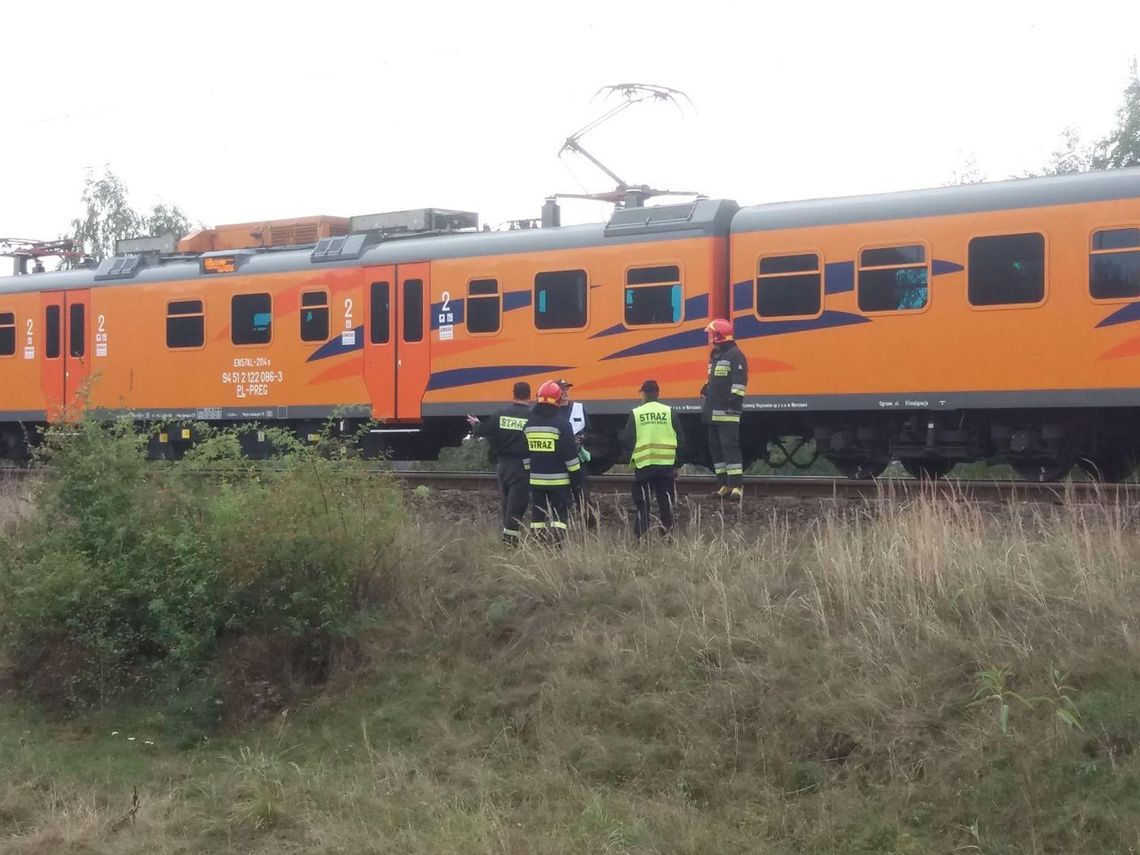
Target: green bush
point(133, 575)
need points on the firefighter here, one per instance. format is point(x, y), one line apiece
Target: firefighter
point(723, 395)
point(555, 470)
point(505, 432)
point(655, 440)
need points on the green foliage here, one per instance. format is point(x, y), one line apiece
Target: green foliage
point(471, 456)
point(805, 776)
point(131, 576)
point(165, 219)
point(1122, 146)
point(108, 217)
point(994, 688)
point(1071, 155)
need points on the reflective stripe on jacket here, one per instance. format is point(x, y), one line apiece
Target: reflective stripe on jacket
point(727, 383)
point(553, 453)
point(656, 439)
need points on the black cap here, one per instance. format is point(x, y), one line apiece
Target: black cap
point(650, 387)
point(565, 384)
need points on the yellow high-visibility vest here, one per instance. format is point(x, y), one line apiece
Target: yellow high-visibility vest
point(656, 443)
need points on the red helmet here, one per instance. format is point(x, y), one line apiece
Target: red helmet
point(719, 330)
point(549, 392)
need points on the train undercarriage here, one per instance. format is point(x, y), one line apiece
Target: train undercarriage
point(1040, 445)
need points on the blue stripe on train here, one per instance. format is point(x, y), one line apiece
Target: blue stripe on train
point(744, 326)
point(749, 326)
point(335, 346)
point(485, 374)
point(1124, 315)
point(457, 306)
point(696, 308)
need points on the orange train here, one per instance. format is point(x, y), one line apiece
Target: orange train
point(992, 321)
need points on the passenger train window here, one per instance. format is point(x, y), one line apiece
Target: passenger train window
point(484, 306)
point(76, 330)
point(789, 286)
point(185, 324)
point(1006, 270)
point(653, 295)
point(251, 319)
point(380, 313)
point(7, 333)
point(1114, 264)
point(893, 279)
point(413, 310)
point(52, 332)
point(560, 300)
point(314, 316)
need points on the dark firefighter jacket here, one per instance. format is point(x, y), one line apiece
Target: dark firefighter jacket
point(727, 383)
point(652, 438)
point(505, 431)
point(553, 453)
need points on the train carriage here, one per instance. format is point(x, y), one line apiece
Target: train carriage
point(412, 330)
point(988, 321)
point(991, 321)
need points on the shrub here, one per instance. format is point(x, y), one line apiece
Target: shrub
point(132, 575)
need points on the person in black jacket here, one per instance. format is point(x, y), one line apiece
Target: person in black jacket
point(555, 469)
point(654, 440)
point(723, 403)
point(505, 431)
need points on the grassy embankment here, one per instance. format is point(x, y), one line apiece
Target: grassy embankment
point(922, 678)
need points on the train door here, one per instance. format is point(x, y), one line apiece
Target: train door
point(77, 351)
point(396, 366)
point(379, 341)
point(413, 365)
point(52, 365)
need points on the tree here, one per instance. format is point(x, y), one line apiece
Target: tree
point(967, 173)
point(165, 218)
point(1122, 147)
point(109, 217)
point(1070, 156)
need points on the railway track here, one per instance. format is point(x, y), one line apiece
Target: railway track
point(816, 487)
point(795, 487)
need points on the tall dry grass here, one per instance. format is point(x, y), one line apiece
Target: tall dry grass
point(788, 682)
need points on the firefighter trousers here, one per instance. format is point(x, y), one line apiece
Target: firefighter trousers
point(549, 512)
point(658, 481)
point(724, 446)
point(514, 485)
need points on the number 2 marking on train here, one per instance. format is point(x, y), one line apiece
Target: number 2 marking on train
point(101, 336)
point(30, 326)
point(348, 313)
point(446, 301)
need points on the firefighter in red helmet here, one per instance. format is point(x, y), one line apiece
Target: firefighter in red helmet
point(555, 469)
point(723, 403)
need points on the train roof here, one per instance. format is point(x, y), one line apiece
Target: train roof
point(699, 218)
point(942, 201)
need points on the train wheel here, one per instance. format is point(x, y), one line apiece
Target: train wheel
point(1042, 470)
point(860, 470)
point(1110, 469)
point(927, 468)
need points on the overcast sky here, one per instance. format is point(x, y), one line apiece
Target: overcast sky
point(242, 111)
